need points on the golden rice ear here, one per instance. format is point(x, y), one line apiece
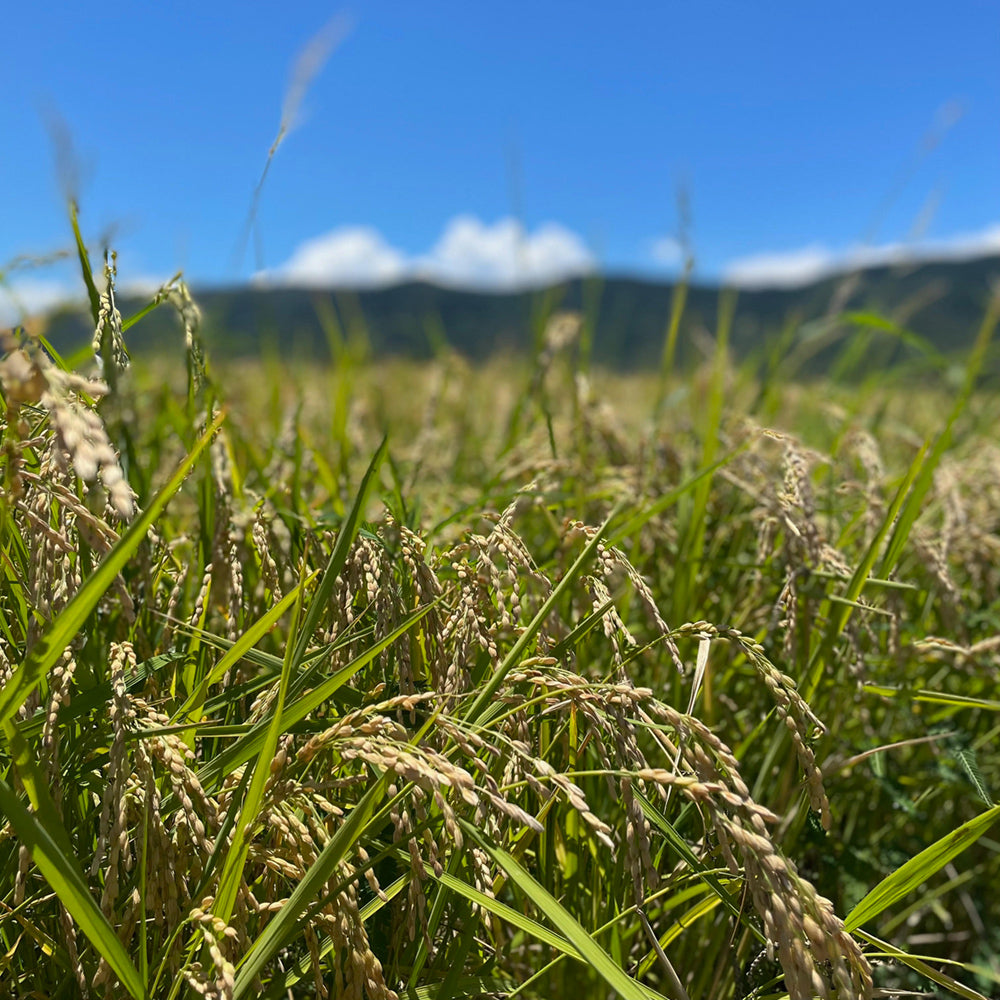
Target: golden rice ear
point(20, 376)
point(28, 376)
point(641, 783)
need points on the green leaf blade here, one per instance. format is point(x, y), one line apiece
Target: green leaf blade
point(919, 869)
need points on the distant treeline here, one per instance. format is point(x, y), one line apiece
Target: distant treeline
point(923, 310)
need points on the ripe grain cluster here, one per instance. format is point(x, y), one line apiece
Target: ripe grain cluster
point(618, 686)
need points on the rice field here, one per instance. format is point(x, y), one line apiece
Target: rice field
point(384, 679)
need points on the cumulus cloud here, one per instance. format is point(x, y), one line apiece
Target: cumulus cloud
point(666, 250)
point(140, 286)
point(28, 297)
point(468, 254)
point(792, 268)
point(781, 270)
point(355, 257)
point(471, 253)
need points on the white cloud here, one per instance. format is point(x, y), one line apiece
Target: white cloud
point(798, 267)
point(26, 297)
point(356, 257)
point(33, 288)
point(780, 270)
point(140, 286)
point(666, 250)
point(468, 254)
point(471, 253)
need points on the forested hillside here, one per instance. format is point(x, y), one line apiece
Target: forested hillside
point(940, 302)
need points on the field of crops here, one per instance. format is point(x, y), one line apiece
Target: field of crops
point(395, 680)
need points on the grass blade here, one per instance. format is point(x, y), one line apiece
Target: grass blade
point(914, 502)
point(232, 868)
point(345, 539)
point(636, 521)
point(683, 849)
point(919, 869)
point(284, 925)
point(485, 697)
point(50, 851)
point(919, 965)
point(250, 745)
point(69, 621)
point(93, 296)
point(593, 954)
point(236, 652)
point(513, 917)
point(841, 612)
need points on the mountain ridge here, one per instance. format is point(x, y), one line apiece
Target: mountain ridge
point(942, 302)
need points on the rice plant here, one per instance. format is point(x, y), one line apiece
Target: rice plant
point(423, 680)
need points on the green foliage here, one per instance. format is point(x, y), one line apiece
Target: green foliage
point(630, 324)
point(521, 679)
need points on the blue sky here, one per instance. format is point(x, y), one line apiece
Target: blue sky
point(495, 143)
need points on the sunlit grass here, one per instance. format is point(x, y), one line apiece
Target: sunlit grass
point(522, 679)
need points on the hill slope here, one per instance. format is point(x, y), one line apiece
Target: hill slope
point(940, 301)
